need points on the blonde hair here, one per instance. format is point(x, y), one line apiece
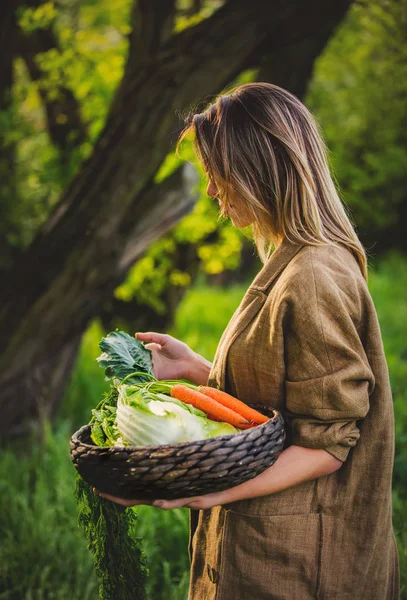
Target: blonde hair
point(261, 145)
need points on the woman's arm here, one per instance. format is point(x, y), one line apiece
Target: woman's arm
point(198, 370)
point(295, 465)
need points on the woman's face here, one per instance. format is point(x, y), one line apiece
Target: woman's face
point(236, 210)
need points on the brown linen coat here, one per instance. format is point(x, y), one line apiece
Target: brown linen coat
point(306, 340)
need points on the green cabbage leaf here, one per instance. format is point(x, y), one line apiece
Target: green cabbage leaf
point(122, 355)
point(145, 418)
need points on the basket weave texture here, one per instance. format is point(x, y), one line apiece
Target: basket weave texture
point(179, 470)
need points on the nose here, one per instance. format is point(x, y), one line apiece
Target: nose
point(211, 189)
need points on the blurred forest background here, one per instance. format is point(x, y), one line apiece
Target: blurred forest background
point(102, 226)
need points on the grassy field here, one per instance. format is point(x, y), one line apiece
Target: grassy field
point(43, 553)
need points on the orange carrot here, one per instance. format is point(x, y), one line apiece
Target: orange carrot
point(234, 404)
point(212, 417)
point(208, 405)
point(241, 426)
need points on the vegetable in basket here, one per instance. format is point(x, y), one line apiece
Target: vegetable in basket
point(146, 415)
point(145, 418)
point(111, 529)
point(140, 410)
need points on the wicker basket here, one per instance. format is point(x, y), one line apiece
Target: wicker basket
point(179, 470)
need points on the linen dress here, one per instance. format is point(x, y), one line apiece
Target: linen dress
point(306, 340)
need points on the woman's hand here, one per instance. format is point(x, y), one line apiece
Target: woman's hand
point(122, 501)
point(195, 502)
point(173, 359)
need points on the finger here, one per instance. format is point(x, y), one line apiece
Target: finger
point(153, 346)
point(152, 336)
point(121, 501)
point(167, 504)
point(124, 501)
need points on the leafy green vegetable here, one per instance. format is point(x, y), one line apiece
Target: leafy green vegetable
point(138, 411)
point(145, 418)
point(122, 355)
point(97, 435)
point(109, 527)
point(103, 419)
point(118, 557)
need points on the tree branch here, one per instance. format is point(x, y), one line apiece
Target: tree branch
point(64, 123)
point(176, 199)
point(152, 26)
point(290, 65)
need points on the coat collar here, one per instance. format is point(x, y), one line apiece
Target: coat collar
point(250, 305)
point(277, 262)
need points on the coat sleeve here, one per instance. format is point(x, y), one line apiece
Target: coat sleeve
point(328, 377)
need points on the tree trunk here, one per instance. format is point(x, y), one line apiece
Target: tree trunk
point(107, 218)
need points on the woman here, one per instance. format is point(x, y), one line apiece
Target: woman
point(306, 340)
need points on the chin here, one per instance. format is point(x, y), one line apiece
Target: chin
point(238, 222)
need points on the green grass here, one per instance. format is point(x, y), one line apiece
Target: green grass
point(388, 286)
point(43, 553)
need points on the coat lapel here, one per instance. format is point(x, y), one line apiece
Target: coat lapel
point(275, 265)
point(250, 305)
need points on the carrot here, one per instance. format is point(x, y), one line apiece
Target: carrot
point(241, 426)
point(208, 405)
point(234, 404)
point(212, 417)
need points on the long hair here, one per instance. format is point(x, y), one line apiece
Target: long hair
point(264, 150)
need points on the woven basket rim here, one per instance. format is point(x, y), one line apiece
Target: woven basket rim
point(75, 436)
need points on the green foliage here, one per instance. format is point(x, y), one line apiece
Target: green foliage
point(87, 384)
point(217, 242)
point(184, 17)
point(388, 286)
point(39, 17)
point(202, 316)
point(165, 542)
point(358, 93)
point(89, 61)
point(43, 553)
point(400, 530)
